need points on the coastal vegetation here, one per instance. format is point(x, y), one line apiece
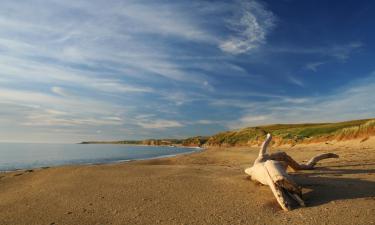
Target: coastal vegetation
point(283, 134)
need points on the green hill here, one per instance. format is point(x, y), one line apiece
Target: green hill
point(295, 133)
point(282, 134)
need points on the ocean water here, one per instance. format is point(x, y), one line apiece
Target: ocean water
point(27, 156)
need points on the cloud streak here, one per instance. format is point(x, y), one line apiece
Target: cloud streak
point(251, 23)
point(341, 52)
point(313, 66)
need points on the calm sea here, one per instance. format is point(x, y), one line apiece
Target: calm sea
point(27, 156)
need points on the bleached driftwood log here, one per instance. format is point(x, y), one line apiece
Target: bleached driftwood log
point(270, 169)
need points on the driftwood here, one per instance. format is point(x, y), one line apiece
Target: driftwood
point(270, 169)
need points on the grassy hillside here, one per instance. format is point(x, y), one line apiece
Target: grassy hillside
point(282, 134)
point(295, 133)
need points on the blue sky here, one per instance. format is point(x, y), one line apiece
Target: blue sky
point(78, 70)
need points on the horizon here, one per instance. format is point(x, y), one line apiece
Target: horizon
point(181, 138)
point(76, 71)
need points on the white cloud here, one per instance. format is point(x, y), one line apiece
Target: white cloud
point(295, 81)
point(55, 112)
point(207, 122)
point(313, 66)
point(43, 73)
point(50, 110)
point(110, 36)
point(343, 52)
point(159, 124)
point(59, 91)
point(243, 104)
point(340, 52)
point(251, 23)
point(156, 18)
point(248, 119)
point(57, 121)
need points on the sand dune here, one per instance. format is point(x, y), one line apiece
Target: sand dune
point(209, 187)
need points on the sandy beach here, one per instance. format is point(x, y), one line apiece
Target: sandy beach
point(208, 187)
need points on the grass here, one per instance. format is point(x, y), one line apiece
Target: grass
point(282, 133)
point(294, 132)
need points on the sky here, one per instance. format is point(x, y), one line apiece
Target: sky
point(78, 70)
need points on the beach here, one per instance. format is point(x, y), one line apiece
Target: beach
point(208, 187)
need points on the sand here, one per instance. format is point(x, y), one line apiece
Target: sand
point(208, 187)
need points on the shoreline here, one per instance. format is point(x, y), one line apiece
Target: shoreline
point(106, 163)
point(205, 187)
point(200, 149)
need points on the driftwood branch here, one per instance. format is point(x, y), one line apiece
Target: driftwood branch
point(270, 169)
point(263, 149)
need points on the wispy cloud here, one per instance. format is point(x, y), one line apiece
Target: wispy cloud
point(59, 91)
point(45, 109)
point(251, 23)
point(340, 52)
point(207, 122)
point(248, 119)
point(353, 101)
point(313, 66)
point(343, 52)
point(295, 81)
point(159, 124)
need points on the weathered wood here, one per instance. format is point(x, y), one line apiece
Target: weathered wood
point(270, 169)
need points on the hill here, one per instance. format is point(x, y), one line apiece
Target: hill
point(282, 134)
point(295, 133)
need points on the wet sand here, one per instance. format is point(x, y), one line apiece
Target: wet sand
point(208, 187)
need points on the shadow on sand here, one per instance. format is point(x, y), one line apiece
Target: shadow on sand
point(325, 185)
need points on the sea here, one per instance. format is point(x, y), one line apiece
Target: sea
point(16, 156)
